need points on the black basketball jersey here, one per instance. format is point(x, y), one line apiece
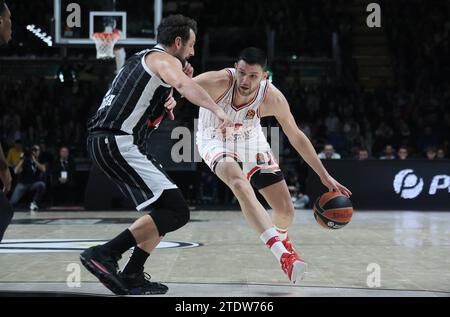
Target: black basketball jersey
point(135, 102)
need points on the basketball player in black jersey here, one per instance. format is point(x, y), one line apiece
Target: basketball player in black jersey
point(139, 99)
point(6, 212)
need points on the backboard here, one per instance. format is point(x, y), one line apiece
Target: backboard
point(76, 20)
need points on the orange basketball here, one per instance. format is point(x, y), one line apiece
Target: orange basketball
point(333, 210)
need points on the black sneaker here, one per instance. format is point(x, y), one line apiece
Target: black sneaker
point(139, 284)
point(102, 262)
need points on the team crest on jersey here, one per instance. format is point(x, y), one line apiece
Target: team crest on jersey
point(250, 115)
point(260, 159)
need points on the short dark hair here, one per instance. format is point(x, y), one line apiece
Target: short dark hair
point(173, 26)
point(253, 56)
point(2, 7)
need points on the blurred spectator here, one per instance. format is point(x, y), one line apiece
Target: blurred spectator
point(363, 155)
point(431, 153)
point(328, 153)
point(440, 154)
point(332, 122)
point(208, 187)
point(383, 135)
point(63, 183)
point(30, 173)
point(402, 153)
point(428, 139)
point(388, 153)
point(14, 154)
point(46, 157)
point(299, 199)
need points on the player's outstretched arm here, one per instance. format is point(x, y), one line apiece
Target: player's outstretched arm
point(277, 105)
point(171, 72)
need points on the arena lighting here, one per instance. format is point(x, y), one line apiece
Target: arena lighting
point(40, 34)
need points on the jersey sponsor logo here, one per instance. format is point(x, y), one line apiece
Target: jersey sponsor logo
point(250, 115)
point(72, 245)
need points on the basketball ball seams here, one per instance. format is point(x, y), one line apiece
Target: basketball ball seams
point(327, 220)
point(319, 221)
point(325, 198)
point(337, 202)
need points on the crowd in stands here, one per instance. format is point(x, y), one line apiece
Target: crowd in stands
point(39, 110)
point(38, 174)
point(351, 119)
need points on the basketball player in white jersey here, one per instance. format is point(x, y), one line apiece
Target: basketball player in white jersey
point(6, 211)
point(244, 158)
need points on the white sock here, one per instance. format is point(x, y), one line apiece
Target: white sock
point(282, 233)
point(271, 238)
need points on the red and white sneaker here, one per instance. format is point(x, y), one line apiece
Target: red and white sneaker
point(293, 266)
point(288, 245)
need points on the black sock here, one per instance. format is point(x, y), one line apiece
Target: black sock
point(122, 242)
point(136, 262)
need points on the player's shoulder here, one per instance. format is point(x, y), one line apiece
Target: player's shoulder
point(223, 75)
point(163, 60)
point(218, 77)
point(274, 95)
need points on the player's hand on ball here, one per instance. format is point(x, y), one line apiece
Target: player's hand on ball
point(334, 185)
point(188, 70)
point(170, 105)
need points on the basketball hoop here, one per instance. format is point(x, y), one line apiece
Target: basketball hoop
point(104, 43)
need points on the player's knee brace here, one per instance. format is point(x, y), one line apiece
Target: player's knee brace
point(263, 179)
point(170, 212)
point(169, 220)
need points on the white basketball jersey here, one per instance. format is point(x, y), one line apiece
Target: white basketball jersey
point(246, 116)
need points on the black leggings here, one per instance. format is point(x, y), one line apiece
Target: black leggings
point(6, 214)
point(170, 212)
